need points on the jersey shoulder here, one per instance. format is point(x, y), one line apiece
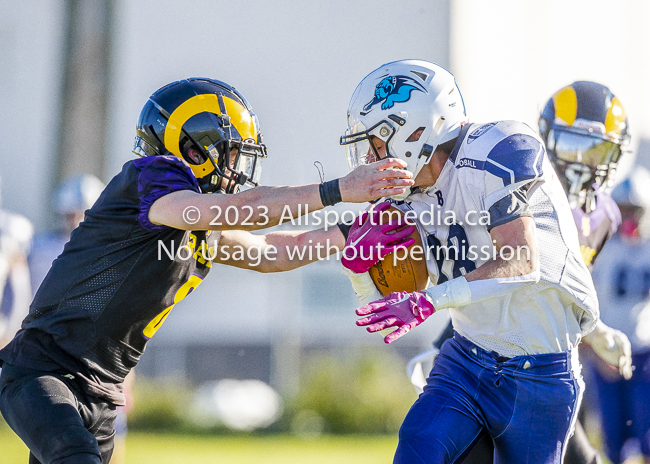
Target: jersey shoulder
point(166, 172)
point(144, 180)
point(605, 218)
point(508, 150)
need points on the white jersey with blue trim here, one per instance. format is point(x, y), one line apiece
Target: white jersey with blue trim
point(490, 162)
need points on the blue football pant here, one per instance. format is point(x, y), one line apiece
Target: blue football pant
point(578, 450)
point(58, 422)
point(625, 408)
point(527, 404)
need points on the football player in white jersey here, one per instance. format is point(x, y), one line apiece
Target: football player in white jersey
point(622, 279)
point(585, 130)
point(16, 233)
point(71, 199)
point(504, 258)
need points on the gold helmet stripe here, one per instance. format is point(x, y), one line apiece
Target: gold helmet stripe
point(566, 105)
point(241, 118)
point(191, 107)
point(615, 120)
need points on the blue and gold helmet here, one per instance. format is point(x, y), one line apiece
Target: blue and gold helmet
point(585, 128)
point(210, 120)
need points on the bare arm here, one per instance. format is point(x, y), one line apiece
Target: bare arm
point(519, 234)
point(263, 207)
point(277, 251)
point(499, 276)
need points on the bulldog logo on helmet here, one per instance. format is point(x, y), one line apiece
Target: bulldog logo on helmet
point(393, 89)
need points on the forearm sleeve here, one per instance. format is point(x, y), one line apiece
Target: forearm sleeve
point(459, 292)
point(363, 286)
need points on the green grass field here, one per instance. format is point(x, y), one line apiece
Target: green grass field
point(163, 449)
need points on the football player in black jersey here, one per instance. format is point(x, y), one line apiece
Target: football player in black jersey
point(147, 242)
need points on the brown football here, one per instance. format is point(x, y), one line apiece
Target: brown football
point(406, 273)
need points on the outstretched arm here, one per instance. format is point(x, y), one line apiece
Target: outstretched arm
point(277, 251)
point(264, 207)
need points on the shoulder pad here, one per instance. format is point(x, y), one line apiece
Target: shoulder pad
point(516, 157)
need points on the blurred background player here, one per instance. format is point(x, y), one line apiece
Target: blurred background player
point(622, 280)
point(72, 198)
point(585, 129)
point(15, 292)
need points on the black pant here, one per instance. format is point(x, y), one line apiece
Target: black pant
point(58, 422)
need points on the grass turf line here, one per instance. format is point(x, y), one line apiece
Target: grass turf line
point(144, 448)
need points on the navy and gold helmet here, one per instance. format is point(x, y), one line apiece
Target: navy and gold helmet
point(584, 126)
point(212, 118)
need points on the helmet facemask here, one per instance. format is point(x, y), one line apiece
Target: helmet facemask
point(241, 166)
point(585, 160)
point(226, 162)
point(360, 146)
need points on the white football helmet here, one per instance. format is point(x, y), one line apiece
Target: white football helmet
point(633, 190)
point(411, 105)
point(77, 194)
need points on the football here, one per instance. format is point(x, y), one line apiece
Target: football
point(407, 272)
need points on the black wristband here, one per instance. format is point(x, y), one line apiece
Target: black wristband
point(330, 192)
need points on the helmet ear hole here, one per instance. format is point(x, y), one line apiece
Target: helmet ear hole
point(191, 153)
point(415, 136)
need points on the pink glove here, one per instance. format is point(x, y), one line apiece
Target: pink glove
point(399, 309)
point(369, 241)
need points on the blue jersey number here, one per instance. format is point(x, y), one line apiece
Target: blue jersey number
point(631, 283)
point(452, 258)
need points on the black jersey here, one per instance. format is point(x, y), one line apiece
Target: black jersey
point(595, 228)
point(115, 282)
